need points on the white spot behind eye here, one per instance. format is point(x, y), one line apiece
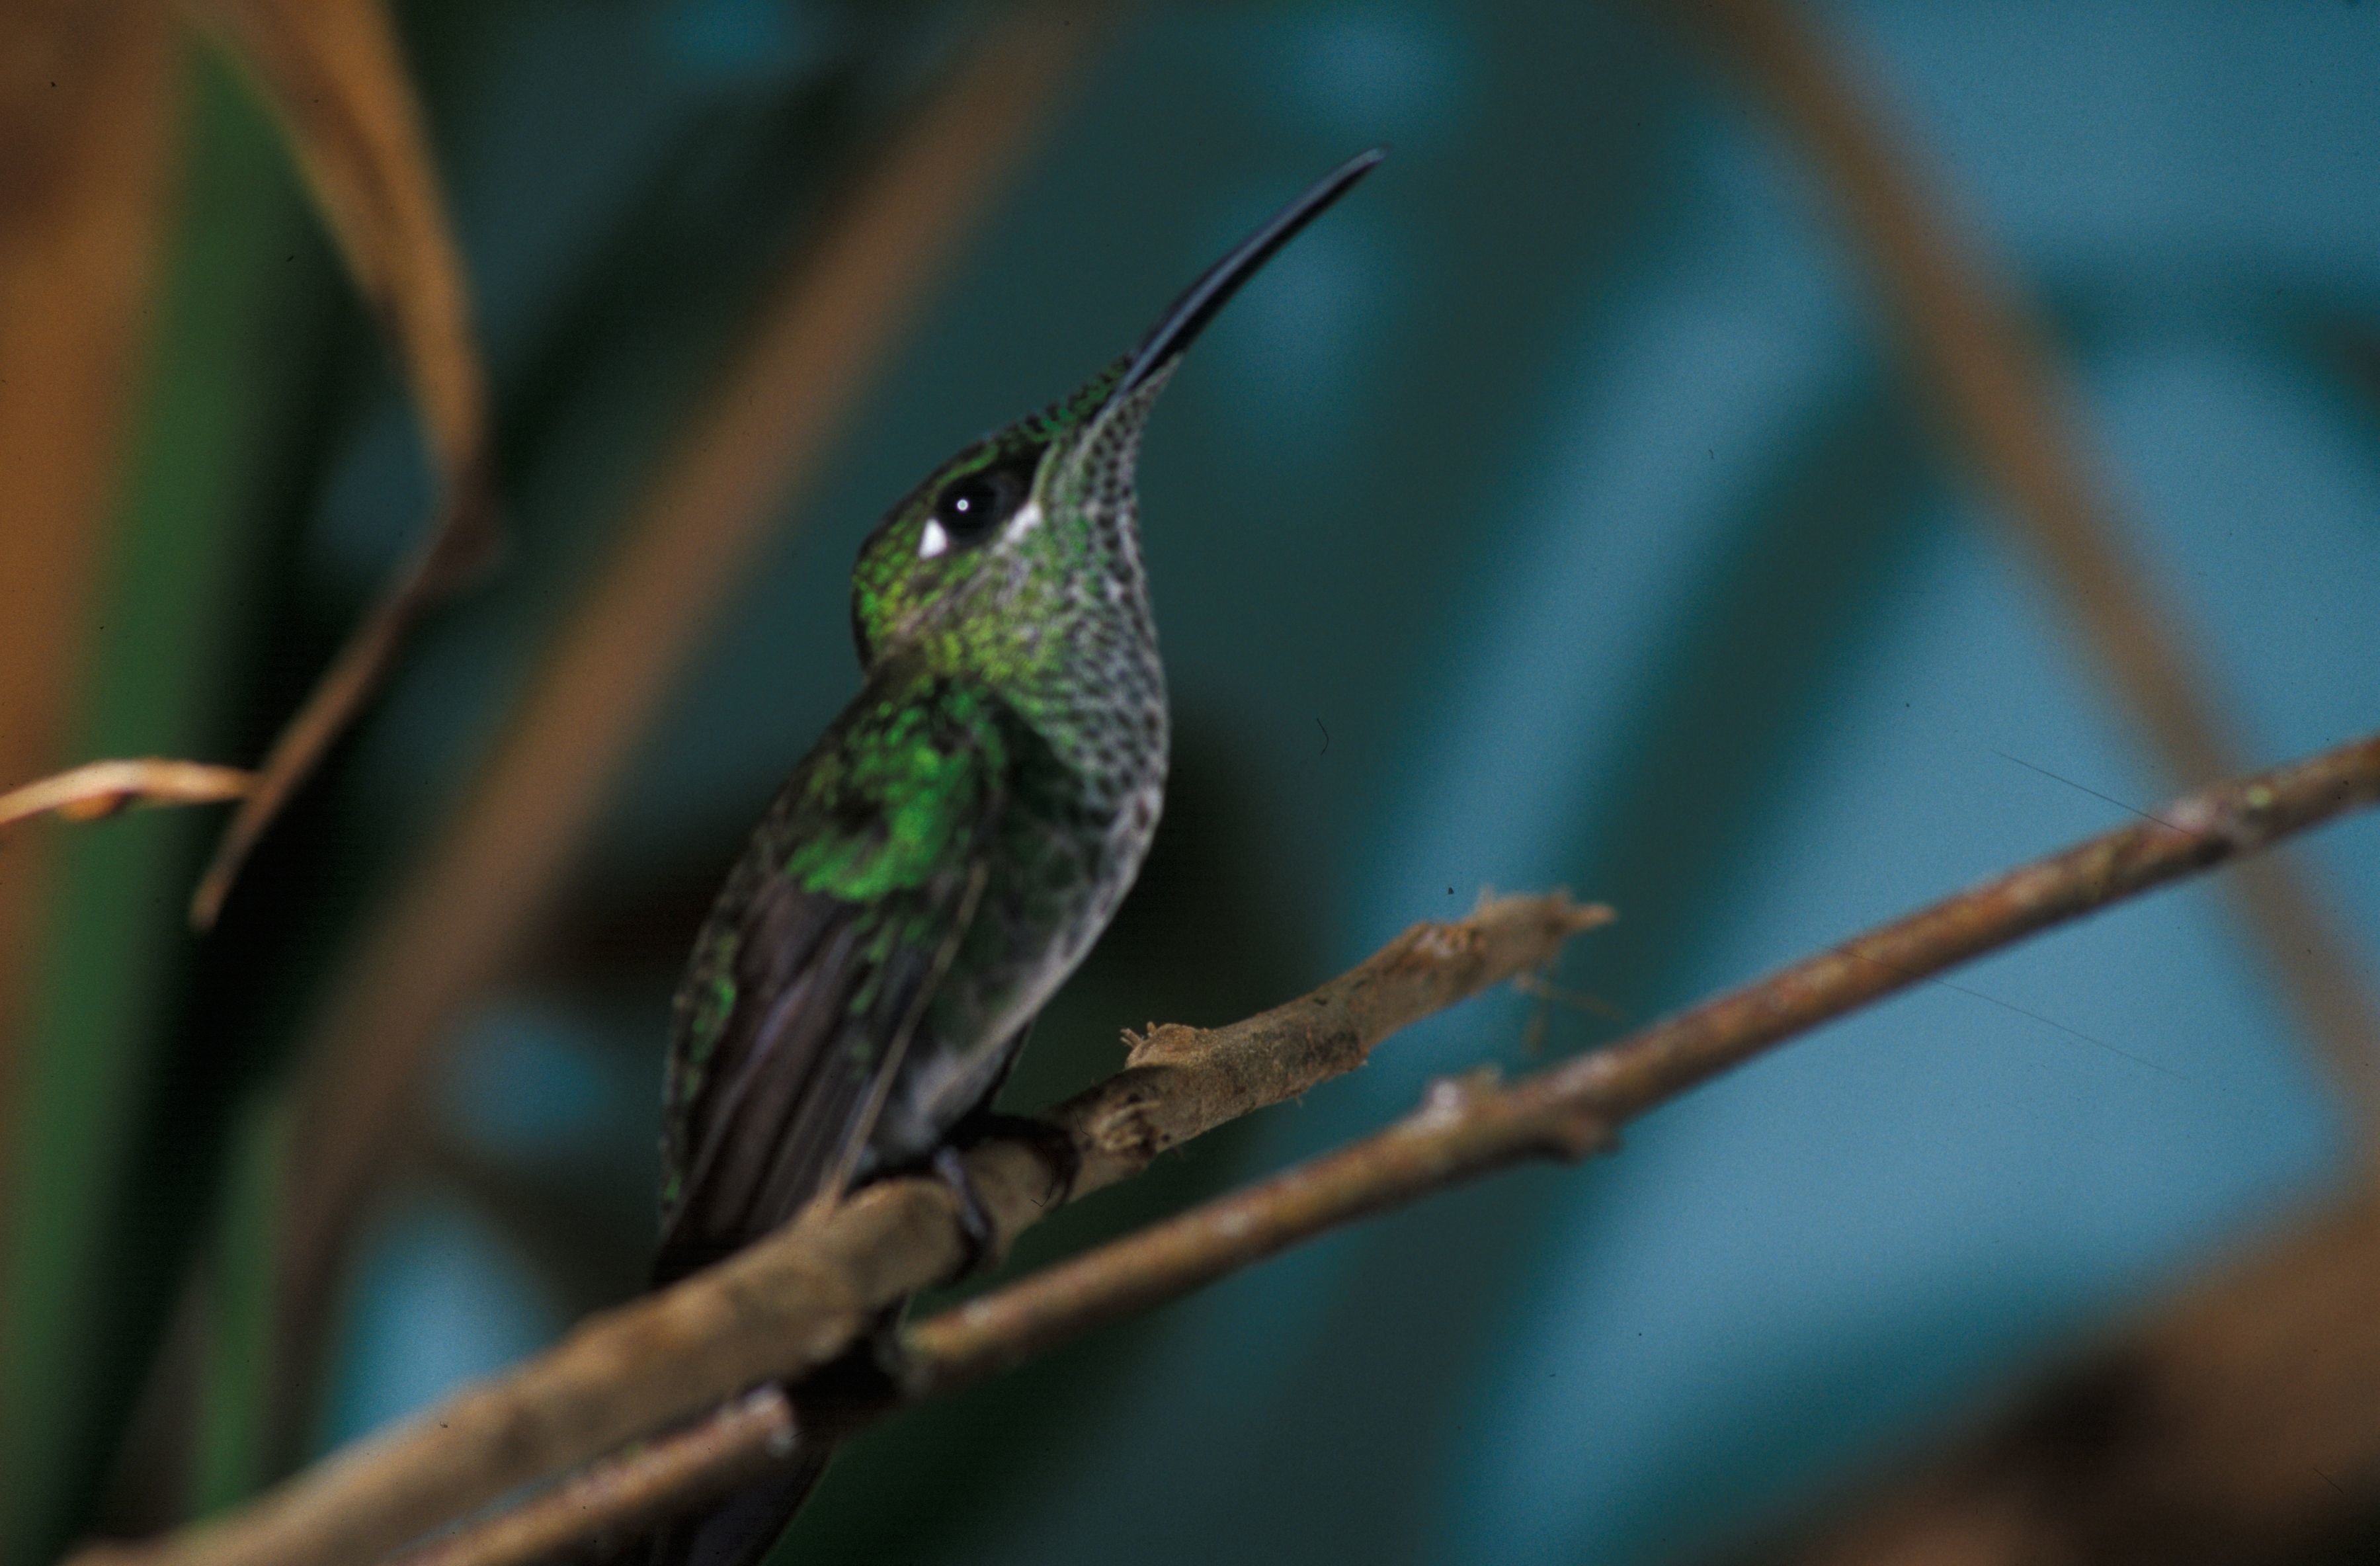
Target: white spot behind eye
point(934, 541)
point(1026, 520)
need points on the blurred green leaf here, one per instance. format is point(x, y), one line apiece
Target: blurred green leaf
point(86, 1291)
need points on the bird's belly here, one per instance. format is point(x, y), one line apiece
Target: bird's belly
point(1039, 928)
point(932, 1094)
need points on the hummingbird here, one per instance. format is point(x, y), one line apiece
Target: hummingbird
point(950, 848)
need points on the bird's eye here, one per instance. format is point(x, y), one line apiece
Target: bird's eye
point(968, 508)
point(971, 507)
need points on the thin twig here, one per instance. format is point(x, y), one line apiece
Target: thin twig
point(813, 349)
point(1467, 1127)
point(102, 788)
point(791, 1303)
point(337, 78)
point(1995, 378)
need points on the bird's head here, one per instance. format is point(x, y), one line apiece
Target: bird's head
point(1042, 513)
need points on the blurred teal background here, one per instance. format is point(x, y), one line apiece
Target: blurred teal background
point(1558, 511)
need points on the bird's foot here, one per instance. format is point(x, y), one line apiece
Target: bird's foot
point(1053, 1146)
point(949, 1164)
point(1050, 1142)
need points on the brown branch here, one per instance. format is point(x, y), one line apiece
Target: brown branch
point(102, 788)
point(815, 347)
point(335, 76)
point(794, 1301)
point(799, 1299)
point(1469, 1128)
point(609, 1502)
point(1994, 380)
point(1181, 1082)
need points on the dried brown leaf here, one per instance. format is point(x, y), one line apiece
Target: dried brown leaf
point(335, 75)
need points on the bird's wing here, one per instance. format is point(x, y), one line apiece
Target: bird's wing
point(821, 959)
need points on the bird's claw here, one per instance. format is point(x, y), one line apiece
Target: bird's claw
point(949, 1165)
point(1055, 1147)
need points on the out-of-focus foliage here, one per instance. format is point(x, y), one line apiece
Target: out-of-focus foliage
point(118, 1114)
point(1556, 511)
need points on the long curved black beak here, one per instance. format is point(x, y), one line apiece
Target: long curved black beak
point(1199, 303)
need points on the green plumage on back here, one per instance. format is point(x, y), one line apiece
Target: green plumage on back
point(923, 791)
point(848, 882)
